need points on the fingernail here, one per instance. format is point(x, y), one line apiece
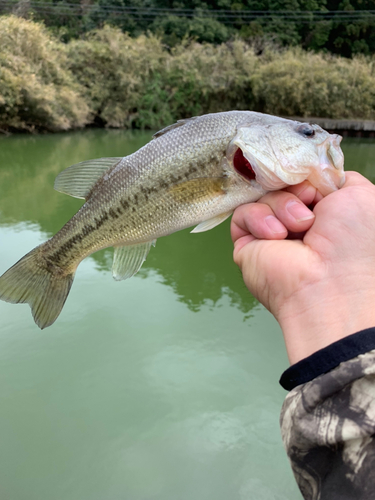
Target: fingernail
point(274, 224)
point(299, 211)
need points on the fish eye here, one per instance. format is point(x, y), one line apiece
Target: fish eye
point(306, 130)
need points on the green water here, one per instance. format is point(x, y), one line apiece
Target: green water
point(162, 387)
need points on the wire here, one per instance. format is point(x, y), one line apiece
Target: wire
point(225, 16)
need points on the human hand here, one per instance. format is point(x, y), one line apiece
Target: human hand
point(320, 286)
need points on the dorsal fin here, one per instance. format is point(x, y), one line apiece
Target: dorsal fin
point(78, 180)
point(179, 123)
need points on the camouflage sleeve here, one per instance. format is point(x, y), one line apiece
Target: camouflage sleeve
point(328, 420)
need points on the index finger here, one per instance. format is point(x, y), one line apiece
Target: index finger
point(306, 192)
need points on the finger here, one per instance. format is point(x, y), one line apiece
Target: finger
point(306, 192)
point(309, 195)
point(272, 217)
point(240, 243)
point(289, 210)
point(355, 179)
point(258, 220)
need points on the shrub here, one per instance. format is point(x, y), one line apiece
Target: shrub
point(113, 71)
point(136, 82)
point(37, 90)
point(298, 83)
point(207, 78)
point(113, 80)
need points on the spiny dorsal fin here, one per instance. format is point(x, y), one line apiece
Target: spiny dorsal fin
point(79, 179)
point(210, 223)
point(128, 259)
point(179, 123)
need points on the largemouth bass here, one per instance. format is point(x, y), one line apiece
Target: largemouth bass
point(195, 172)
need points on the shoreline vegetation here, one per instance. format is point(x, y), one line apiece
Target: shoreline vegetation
point(109, 79)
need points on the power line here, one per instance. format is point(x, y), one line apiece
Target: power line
point(225, 16)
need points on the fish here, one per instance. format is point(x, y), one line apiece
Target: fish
point(192, 173)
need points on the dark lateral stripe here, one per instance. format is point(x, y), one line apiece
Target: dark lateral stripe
point(112, 213)
point(68, 245)
point(88, 229)
point(124, 204)
point(328, 358)
point(77, 238)
point(100, 222)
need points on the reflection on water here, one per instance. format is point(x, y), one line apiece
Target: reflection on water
point(198, 268)
point(162, 387)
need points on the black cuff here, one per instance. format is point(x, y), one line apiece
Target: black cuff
point(326, 359)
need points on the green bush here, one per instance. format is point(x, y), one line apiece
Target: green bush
point(298, 83)
point(172, 29)
point(113, 80)
point(207, 78)
point(37, 91)
point(138, 83)
point(113, 71)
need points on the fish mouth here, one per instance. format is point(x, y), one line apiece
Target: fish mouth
point(326, 174)
point(243, 166)
point(330, 175)
point(251, 169)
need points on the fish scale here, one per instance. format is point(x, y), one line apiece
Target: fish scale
point(189, 174)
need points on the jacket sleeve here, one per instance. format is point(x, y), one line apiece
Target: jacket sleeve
point(328, 420)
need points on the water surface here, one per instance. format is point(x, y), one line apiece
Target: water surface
point(162, 387)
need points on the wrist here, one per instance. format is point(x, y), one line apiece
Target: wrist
point(320, 315)
point(328, 358)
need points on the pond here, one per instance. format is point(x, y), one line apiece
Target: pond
point(161, 387)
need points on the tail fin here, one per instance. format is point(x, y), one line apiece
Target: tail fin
point(44, 287)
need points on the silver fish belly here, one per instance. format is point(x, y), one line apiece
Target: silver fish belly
point(194, 172)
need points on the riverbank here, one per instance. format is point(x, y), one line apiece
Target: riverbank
point(109, 79)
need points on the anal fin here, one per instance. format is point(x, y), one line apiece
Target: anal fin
point(210, 223)
point(128, 259)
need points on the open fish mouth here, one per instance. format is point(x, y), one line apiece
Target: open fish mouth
point(326, 173)
point(252, 169)
point(243, 166)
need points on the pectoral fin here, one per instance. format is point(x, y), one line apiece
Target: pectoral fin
point(79, 179)
point(198, 189)
point(128, 259)
point(210, 223)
